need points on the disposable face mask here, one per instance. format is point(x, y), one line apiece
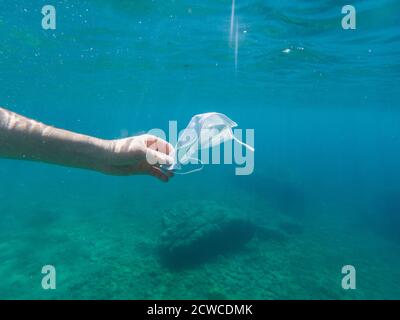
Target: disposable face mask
point(204, 131)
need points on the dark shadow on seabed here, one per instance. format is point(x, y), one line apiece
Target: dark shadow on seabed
point(196, 235)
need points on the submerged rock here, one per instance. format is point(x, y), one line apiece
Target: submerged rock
point(194, 233)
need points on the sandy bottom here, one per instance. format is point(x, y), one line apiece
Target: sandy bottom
point(107, 250)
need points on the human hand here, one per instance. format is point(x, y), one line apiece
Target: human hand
point(142, 154)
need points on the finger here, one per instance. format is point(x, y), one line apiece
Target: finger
point(154, 157)
point(168, 173)
point(158, 144)
point(156, 172)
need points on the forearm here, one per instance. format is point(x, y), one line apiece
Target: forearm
point(23, 138)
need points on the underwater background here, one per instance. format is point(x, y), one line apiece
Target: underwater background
point(324, 105)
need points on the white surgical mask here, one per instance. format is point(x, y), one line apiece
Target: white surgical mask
point(204, 131)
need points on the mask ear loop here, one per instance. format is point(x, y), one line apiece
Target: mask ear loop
point(194, 170)
point(243, 144)
point(190, 158)
point(202, 164)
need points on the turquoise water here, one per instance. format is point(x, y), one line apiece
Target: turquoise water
point(323, 102)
